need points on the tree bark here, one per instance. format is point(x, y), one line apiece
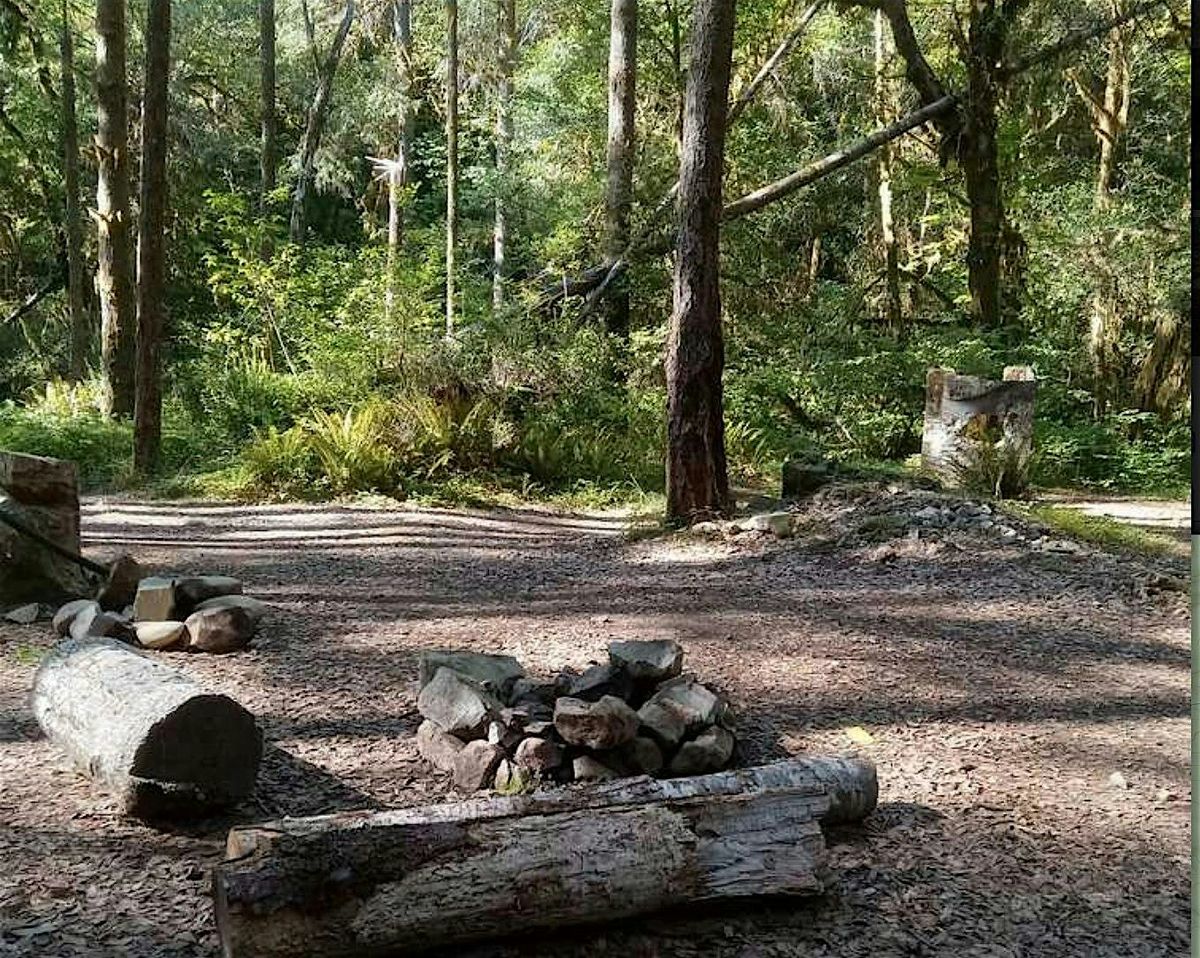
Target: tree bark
point(76, 267)
point(146, 732)
point(894, 307)
point(114, 273)
point(451, 160)
point(618, 194)
point(409, 879)
point(151, 272)
point(42, 496)
point(697, 479)
point(268, 121)
point(506, 55)
point(315, 124)
point(398, 172)
point(1110, 112)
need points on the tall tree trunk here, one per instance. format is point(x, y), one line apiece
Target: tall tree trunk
point(451, 159)
point(894, 308)
point(151, 270)
point(269, 121)
point(618, 195)
point(76, 269)
point(1109, 113)
point(697, 480)
point(114, 260)
point(398, 173)
point(506, 55)
point(315, 126)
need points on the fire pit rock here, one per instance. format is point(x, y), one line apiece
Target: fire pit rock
point(490, 725)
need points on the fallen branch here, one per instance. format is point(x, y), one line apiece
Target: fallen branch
point(31, 301)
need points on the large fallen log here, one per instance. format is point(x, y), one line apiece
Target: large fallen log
point(146, 731)
point(402, 881)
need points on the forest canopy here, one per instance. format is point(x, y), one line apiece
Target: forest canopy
point(412, 246)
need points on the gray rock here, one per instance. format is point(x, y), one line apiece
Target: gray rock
point(23, 614)
point(511, 778)
point(664, 721)
point(527, 691)
point(520, 717)
point(598, 725)
point(475, 765)
point(599, 681)
point(498, 733)
point(539, 754)
point(708, 752)
point(654, 660)
point(540, 729)
point(437, 746)
point(190, 591)
point(698, 705)
point(93, 622)
point(160, 635)
point(120, 587)
point(803, 477)
point(643, 755)
point(460, 705)
point(63, 618)
point(155, 600)
point(254, 608)
point(497, 671)
point(587, 768)
point(777, 523)
point(219, 630)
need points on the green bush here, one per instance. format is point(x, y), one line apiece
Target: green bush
point(101, 448)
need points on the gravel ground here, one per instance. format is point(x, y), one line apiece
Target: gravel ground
point(1028, 710)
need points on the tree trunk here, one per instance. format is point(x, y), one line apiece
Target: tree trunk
point(1110, 114)
point(410, 879)
point(151, 272)
point(315, 125)
point(147, 733)
point(398, 174)
point(76, 268)
point(506, 55)
point(451, 159)
point(43, 495)
point(618, 194)
point(697, 481)
point(114, 260)
point(894, 307)
point(269, 122)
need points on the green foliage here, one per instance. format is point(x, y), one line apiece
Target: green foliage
point(1105, 532)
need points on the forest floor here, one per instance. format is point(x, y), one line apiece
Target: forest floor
point(1028, 709)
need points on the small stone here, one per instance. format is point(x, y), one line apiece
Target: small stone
point(460, 705)
point(777, 523)
point(160, 635)
point(219, 630)
point(928, 513)
point(539, 754)
point(93, 622)
point(643, 755)
point(648, 660)
point(500, 734)
point(121, 586)
point(499, 672)
point(540, 729)
point(708, 752)
point(525, 689)
point(63, 618)
point(1117, 780)
point(511, 778)
point(599, 681)
point(437, 746)
point(598, 725)
point(664, 721)
point(475, 765)
point(697, 704)
point(801, 477)
point(1164, 795)
point(23, 614)
point(255, 608)
point(155, 600)
point(190, 591)
point(587, 768)
point(520, 717)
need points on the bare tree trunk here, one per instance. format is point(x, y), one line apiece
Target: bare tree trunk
point(315, 126)
point(697, 480)
point(894, 309)
point(114, 261)
point(618, 194)
point(451, 159)
point(398, 174)
point(76, 268)
point(151, 271)
point(1110, 115)
point(266, 39)
point(506, 54)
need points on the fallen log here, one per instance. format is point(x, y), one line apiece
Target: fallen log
point(402, 881)
point(145, 731)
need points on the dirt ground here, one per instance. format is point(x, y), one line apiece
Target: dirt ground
point(1004, 688)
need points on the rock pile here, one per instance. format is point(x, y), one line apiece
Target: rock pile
point(206, 613)
point(489, 724)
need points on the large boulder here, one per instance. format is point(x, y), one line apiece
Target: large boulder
point(460, 705)
point(707, 752)
point(647, 660)
point(61, 623)
point(696, 704)
point(599, 681)
point(539, 754)
point(219, 630)
point(475, 766)
point(596, 725)
point(437, 746)
point(254, 608)
point(499, 672)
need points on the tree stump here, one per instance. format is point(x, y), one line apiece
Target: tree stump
point(395, 882)
point(146, 732)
